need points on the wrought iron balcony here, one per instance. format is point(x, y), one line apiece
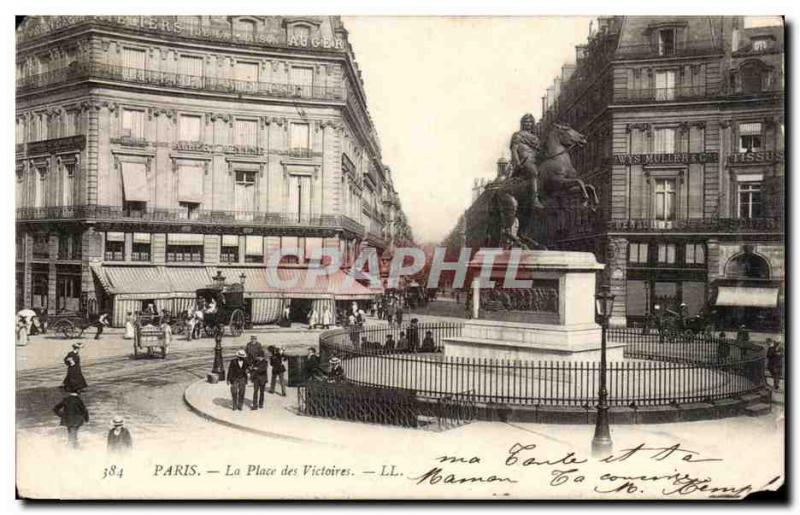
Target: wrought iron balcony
point(196, 216)
point(682, 49)
point(673, 94)
point(97, 71)
point(182, 29)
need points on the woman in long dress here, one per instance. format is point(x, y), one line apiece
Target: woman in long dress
point(74, 381)
point(22, 332)
point(129, 330)
point(326, 318)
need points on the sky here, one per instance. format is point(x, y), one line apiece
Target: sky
point(446, 93)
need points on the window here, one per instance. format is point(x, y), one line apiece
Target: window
point(666, 253)
point(750, 201)
point(695, 254)
point(755, 77)
point(133, 123)
point(247, 72)
point(761, 44)
point(245, 194)
point(665, 199)
point(133, 64)
point(115, 246)
point(665, 85)
point(189, 210)
point(40, 188)
point(41, 246)
point(666, 42)
point(140, 251)
point(68, 191)
point(749, 137)
point(301, 33)
point(229, 251)
point(299, 207)
point(69, 123)
point(184, 253)
point(637, 252)
point(245, 29)
point(254, 249)
point(134, 208)
point(299, 137)
point(302, 80)
point(245, 133)
point(189, 128)
point(191, 71)
point(664, 141)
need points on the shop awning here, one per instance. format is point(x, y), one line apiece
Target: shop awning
point(119, 279)
point(747, 296)
point(187, 279)
point(307, 284)
point(255, 279)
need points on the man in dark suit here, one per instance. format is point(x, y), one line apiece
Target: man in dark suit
point(278, 370)
point(252, 349)
point(413, 336)
point(237, 379)
point(73, 415)
point(119, 439)
point(312, 365)
point(258, 374)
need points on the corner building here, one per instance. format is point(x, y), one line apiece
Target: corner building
point(684, 120)
point(154, 151)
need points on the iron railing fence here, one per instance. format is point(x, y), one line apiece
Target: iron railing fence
point(380, 405)
point(693, 375)
point(92, 70)
point(667, 94)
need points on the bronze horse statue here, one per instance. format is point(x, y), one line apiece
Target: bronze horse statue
point(503, 215)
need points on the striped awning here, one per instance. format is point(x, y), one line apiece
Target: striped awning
point(119, 279)
point(187, 279)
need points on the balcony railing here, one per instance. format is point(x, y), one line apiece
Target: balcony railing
point(116, 213)
point(673, 94)
point(684, 49)
point(185, 30)
point(97, 71)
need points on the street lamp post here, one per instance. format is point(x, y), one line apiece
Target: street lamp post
point(601, 443)
point(219, 366)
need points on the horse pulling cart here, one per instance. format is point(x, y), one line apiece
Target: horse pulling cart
point(225, 307)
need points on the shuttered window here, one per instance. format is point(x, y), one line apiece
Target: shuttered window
point(133, 123)
point(246, 133)
point(189, 128)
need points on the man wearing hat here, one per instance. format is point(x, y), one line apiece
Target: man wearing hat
point(413, 336)
point(73, 414)
point(278, 370)
point(336, 373)
point(74, 380)
point(237, 379)
point(252, 349)
point(119, 438)
point(258, 374)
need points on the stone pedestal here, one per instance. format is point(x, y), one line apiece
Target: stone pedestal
point(547, 314)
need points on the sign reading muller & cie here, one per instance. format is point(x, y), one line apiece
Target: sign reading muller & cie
point(666, 159)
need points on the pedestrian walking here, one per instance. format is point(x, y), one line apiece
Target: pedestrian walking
point(237, 379)
point(391, 309)
point(774, 362)
point(723, 348)
point(119, 441)
point(73, 414)
point(399, 314)
point(74, 380)
point(100, 323)
point(258, 375)
point(129, 328)
point(166, 329)
point(253, 349)
point(413, 335)
point(276, 360)
point(390, 344)
point(327, 320)
point(23, 330)
point(312, 319)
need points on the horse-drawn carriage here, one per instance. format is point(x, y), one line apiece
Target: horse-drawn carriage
point(70, 324)
point(224, 306)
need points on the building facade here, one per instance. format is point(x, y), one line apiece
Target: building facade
point(684, 121)
point(160, 149)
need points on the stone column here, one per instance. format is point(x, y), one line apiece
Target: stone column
point(91, 251)
point(51, 272)
point(476, 297)
point(27, 287)
point(615, 276)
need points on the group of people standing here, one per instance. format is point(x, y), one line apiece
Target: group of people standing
point(390, 307)
point(251, 362)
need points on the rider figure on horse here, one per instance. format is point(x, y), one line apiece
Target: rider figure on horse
point(524, 147)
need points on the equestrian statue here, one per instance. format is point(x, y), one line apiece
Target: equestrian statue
point(505, 213)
